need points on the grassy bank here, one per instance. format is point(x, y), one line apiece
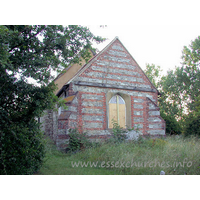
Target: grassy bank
point(174, 155)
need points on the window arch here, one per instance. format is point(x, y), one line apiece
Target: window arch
point(117, 111)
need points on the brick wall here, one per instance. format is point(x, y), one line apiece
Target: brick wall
point(113, 72)
point(116, 67)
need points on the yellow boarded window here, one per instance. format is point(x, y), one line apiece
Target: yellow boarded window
point(117, 111)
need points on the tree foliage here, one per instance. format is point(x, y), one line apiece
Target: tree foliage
point(191, 81)
point(192, 125)
point(153, 72)
point(173, 127)
point(173, 97)
point(180, 91)
point(183, 83)
point(191, 72)
point(168, 106)
point(32, 52)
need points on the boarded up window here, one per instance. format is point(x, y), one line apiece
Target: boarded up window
point(117, 111)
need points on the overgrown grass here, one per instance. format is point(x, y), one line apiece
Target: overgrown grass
point(144, 157)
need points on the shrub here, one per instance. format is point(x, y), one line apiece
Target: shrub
point(192, 125)
point(172, 125)
point(118, 133)
point(77, 141)
point(22, 149)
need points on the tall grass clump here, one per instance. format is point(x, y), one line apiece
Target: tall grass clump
point(175, 155)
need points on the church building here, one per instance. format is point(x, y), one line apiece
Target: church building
point(111, 86)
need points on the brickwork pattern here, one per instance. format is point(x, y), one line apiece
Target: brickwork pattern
point(114, 66)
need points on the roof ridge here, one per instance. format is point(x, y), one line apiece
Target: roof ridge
point(70, 65)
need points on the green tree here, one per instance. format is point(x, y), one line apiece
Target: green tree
point(192, 125)
point(190, 72)
point(32, 52)
point(172, 125)
point(180, 90)
point(173, 97)
point(169, 108)
point(153, 72)
point(182, 84)
point(192, 120)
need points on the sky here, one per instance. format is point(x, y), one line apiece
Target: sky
point(155, 32)
point(160, 46)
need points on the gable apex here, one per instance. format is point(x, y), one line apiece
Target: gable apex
point(117, 38)
point(116, 54)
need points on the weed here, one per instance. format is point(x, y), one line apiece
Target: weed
point(118, 133)
point(145, 156)
point(78, 141)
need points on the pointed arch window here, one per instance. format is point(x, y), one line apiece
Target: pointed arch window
point(117, 111)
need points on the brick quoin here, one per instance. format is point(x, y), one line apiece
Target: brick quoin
point(104, 109)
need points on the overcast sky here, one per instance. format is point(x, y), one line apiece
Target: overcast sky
point(154, 31)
